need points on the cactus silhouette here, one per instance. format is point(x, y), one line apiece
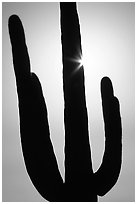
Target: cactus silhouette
point(81, 183)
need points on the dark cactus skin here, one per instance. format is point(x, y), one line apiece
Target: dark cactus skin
point(81, 183)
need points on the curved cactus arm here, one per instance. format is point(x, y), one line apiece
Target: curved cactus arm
point(108, 173)
point(37, 148)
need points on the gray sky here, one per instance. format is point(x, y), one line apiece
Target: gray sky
point(107, 31)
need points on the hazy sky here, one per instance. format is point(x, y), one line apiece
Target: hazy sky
point(107, 31)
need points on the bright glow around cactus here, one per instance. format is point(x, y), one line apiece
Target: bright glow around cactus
point(79, 60)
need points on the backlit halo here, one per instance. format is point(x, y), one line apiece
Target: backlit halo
point(79, 60)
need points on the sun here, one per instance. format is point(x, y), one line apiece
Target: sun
point(79, 60)
point(82, 61)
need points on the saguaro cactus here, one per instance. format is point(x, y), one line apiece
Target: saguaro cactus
point(81, 183)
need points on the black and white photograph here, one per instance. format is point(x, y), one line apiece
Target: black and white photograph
point(68, 101)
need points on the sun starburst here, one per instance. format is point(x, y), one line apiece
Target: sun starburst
point(79, 60)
